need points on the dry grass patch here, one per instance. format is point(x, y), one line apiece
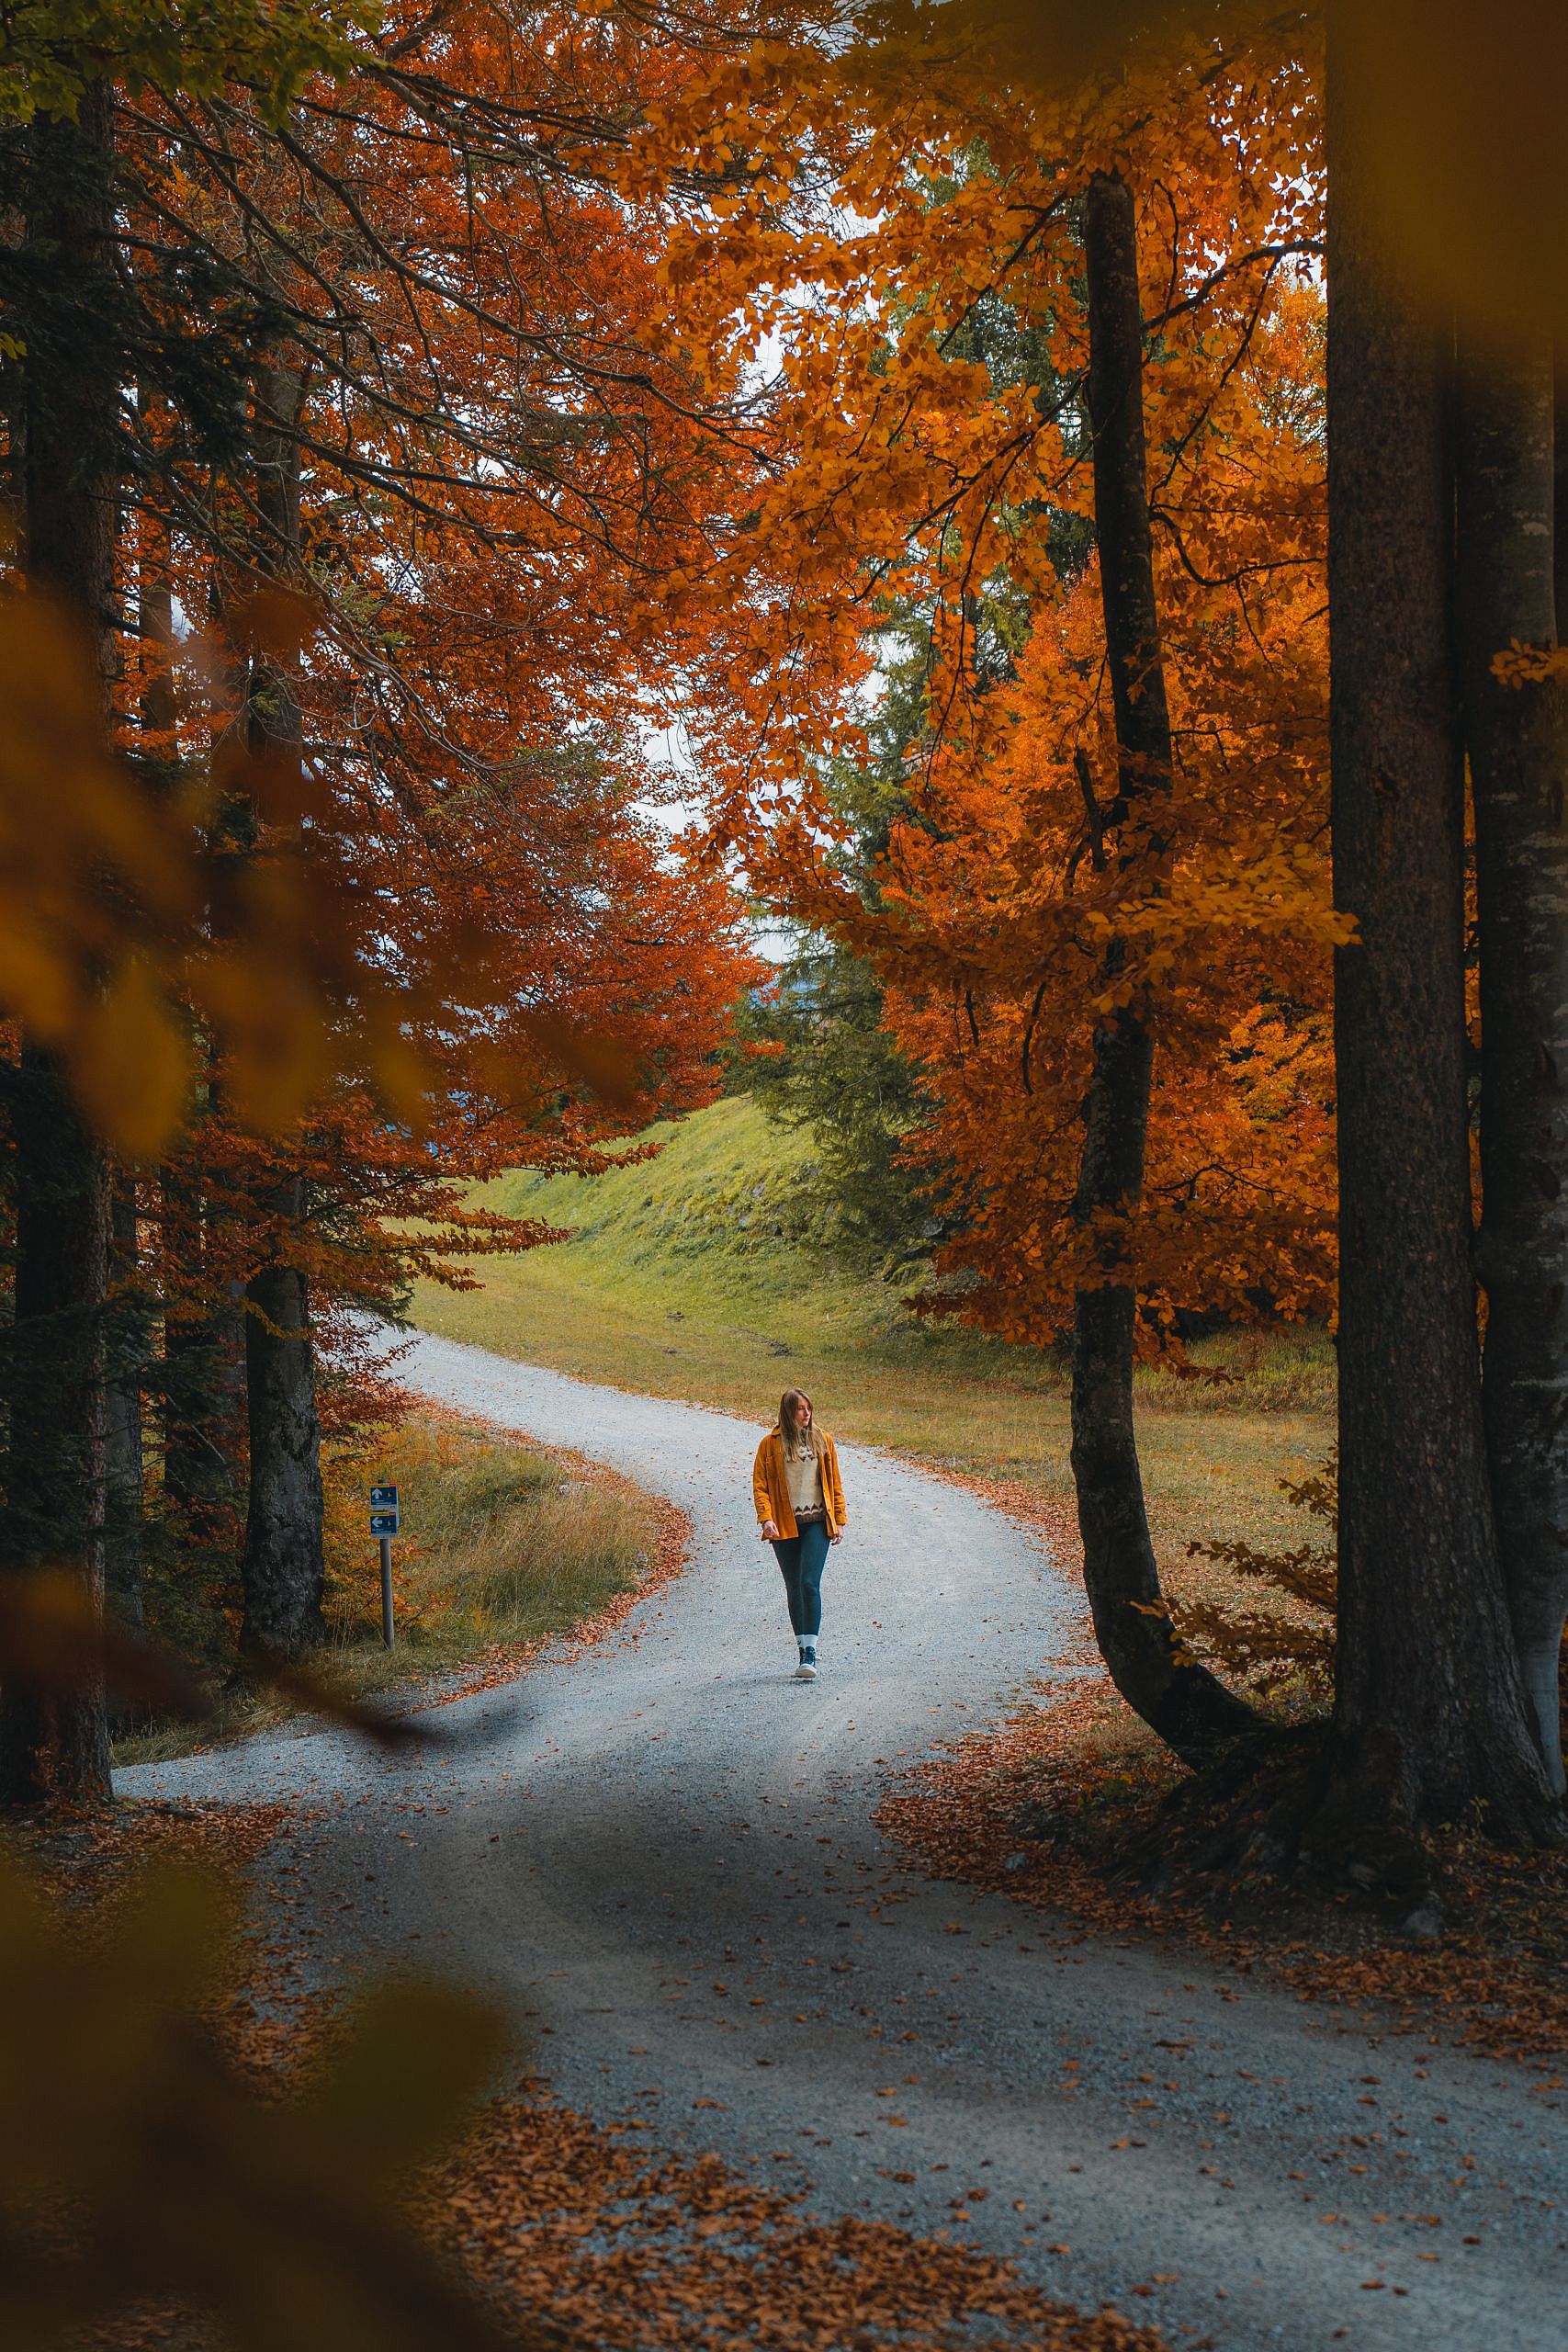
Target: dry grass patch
point(506, 1547)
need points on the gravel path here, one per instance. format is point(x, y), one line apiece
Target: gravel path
point(660, 1854)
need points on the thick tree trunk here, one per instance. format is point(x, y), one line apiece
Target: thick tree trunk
point(56, 1743)
point(283, 1568)
point(1429, 1713)
point(1185, 1705)
point(203, 1402)
point(129, 1334)
point(1518, 737)
point(1560, 498)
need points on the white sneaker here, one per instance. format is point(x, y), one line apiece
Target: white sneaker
point(807, 1670)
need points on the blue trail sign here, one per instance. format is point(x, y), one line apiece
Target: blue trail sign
point(384, 1526)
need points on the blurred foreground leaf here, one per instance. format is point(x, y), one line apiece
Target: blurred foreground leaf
point(55, 1641)
point(1461, 109)
point(136, 2165)
point(131, 924)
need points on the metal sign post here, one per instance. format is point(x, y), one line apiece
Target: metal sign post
point(384, 1525)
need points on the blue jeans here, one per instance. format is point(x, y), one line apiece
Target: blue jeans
point(803, 1558)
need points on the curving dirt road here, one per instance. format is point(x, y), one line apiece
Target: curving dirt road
point(660, 1854)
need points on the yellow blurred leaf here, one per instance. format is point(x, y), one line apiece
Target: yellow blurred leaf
point(1060, 44)
point(35, 986)
point(273, 621)
point(136, 2164)
point(399, 1071)
point(417, 2052)
point(590, 1056)
point(128, 1061)
point(1462, 109)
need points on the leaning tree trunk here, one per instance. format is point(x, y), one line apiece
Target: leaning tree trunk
point(55, 1744)
point(283, 1568)
point(1429, 1715)
point(1518, 737)
point(1192, 1711)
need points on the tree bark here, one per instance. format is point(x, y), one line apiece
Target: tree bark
point(283, 1568)
point(128, 1335)
point(1430, 1716)
point(1190, 1709)
point(1517, 739)
point(1560, 498)
point(203, 1405)
point(284, 1572)
point(132, 1314)
point(54, 1743)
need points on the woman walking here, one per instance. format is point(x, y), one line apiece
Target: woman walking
point(800, 1504)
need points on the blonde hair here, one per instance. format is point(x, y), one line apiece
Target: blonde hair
point(789, 1425)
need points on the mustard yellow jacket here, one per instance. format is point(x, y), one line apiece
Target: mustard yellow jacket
point(769, 1490)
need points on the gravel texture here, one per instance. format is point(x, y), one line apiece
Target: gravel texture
point(659, 1853)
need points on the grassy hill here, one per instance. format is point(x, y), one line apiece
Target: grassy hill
point(703, 1274)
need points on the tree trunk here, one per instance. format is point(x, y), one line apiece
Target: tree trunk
point(129, 1324)
point(283, 1568)
point(203, 1401)
point(284, 1571)
point(1192, 1711)
point(1429, 1715)
point(202, 1404)
point(1518, 737)
point(56, 1743)
point(1560, 499)
point(129, 1333)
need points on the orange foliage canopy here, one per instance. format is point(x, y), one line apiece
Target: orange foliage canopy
point(911, 244)
point(455, 931)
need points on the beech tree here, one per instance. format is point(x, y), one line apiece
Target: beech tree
point(1430, 1717)
point(1428, 1714)
point(397, 904)
point(1192, 1711)
point(1516, 714)
point(1049, 940)
point(282, 1569)
point(57, 1745)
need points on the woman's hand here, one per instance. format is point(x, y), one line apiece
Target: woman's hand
point(770, 1532)
point(837, 1538)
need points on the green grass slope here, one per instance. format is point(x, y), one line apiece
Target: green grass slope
point(703, 1274)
